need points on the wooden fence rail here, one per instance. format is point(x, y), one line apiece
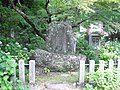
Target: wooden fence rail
point(21, 67)
point(92, 65)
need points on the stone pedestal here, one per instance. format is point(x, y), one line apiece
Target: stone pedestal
point(57, 62)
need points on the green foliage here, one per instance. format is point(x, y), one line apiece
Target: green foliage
point(46, 70)
point(84, 48)
point(36, 42)
point(109, 1)
point(11, 21)
point(66, 4)
point(7, 67)
point(108, 13)
point(73, 10)
point(20, 86)
point(109, 80)
point(14, 49)
point(110, 50)
point(6, 72)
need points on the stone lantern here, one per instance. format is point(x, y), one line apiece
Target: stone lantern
point(94, 40)
point(94, 33)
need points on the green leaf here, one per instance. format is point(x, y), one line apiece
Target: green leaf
point(5, 78)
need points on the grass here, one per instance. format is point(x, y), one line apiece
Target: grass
point(58, 77)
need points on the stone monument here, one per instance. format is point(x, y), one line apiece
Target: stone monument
point(60, 38)
point(61, 48)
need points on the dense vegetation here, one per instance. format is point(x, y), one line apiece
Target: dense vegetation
point(109, 80)
point(8, 52)
point(23, 25)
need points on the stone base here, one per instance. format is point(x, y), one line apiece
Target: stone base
point(56, 62)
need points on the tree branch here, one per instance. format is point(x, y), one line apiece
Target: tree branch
point(19, 3)
point(26, 18)
point(83, 21)
point(47, 10)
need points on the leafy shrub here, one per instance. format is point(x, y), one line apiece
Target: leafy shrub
point(6, 72)
point(11, 21)
point(110, 50)
point(83, 47)
point(36, 42)
point(109, 80)
point(16, 50)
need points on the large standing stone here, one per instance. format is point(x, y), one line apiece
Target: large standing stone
point(60, 38)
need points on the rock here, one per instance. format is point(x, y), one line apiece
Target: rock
point(58, 86)
point(38, 71)
point(56, 62)
point(61, 38)
point(38, 87)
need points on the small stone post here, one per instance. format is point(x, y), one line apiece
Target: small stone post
point(13, 78)
point(82, 70)
point(101, 65)
point(92, 66)
point(14, 74)
point(21, 71)
point(32, 71)
point(118, 65)
point(111, 64)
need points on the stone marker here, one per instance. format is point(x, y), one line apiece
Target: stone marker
point(60, 38)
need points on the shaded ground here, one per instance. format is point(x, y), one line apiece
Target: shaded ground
point(56, 81)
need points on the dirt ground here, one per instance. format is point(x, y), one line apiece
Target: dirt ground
point(56, 81)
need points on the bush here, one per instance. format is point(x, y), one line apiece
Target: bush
point(16, 50)
point(84, 48)
point(109, 80)
point(36, 42)
point(6, 72)
point(109, 50)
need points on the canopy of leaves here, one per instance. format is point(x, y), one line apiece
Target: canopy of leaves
point(42, 12)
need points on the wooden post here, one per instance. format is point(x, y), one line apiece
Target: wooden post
point(111, 64)
point(101, 65)
point(82, 70)
point(118, 65)
point(91, 66)
point(21, 71)
point(32, 71)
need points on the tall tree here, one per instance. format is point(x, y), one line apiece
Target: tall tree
point(39, 13)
